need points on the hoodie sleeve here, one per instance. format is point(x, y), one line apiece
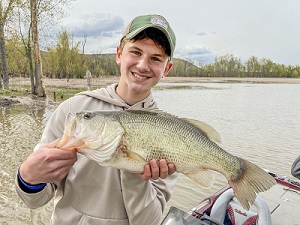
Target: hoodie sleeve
point(35, 200)
point(145, 201)
point(295, 170)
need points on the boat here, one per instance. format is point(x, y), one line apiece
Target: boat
point(280, 205)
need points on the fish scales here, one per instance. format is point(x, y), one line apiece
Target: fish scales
point(158, 140)
point(173, 139)
point(129, 139)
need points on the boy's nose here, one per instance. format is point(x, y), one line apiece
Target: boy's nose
point(143, 64)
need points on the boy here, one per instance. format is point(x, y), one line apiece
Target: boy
point(83, 191)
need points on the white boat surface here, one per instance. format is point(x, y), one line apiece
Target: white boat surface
point(280, 205)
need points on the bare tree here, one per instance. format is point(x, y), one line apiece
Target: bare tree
point(4, 12)
point(83, 48)
point(48, 13)
point(39, 89)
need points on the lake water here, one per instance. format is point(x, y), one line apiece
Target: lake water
point(258, 122)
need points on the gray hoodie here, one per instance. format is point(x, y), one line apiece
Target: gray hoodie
point(92, 194)
point(296, 168)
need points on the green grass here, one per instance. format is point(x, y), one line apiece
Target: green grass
point(63, 94)
point(16, 91)
point(24, 90)
point(69, 91)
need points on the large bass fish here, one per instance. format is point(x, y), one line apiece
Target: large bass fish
point(129, 139)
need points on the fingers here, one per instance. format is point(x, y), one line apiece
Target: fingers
point(171, 168)
point(155, 171)
point(163, 169)
point(158, 169)
point(147, 173)
point(47, 164)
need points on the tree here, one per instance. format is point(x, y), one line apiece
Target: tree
point(4, 13)
point(39, 89)
point(252, 67)
point(23, 24)
point(267, 68)
point(17, 63)
point(220, 66)
point(48, 13)
point(228, 66)
point(63, 59)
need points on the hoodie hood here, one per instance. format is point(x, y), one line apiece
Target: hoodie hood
point(109, 95)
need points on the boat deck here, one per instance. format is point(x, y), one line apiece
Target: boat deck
point(284, 205)
point(283, 201)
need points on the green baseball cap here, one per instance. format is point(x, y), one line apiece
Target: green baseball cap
point(141, 23)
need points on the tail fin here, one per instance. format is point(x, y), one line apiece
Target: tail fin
point(253, 180)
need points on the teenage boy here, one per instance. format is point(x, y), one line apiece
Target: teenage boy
point(83, 191)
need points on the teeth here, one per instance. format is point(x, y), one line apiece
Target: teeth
point(138, 76)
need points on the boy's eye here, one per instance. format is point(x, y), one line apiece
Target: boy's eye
point(155, 59)
point(136, 53)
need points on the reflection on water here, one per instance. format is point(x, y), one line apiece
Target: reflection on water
point(259, 122)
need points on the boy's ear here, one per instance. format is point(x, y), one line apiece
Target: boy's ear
point(168, 68)
point(118, 55)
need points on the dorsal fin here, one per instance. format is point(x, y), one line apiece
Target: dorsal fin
point(210, 132)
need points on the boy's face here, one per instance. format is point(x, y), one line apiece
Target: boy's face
point(142, 65)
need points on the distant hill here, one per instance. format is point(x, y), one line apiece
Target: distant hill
point(181, 68)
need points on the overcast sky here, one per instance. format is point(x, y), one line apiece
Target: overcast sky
point(204, 28)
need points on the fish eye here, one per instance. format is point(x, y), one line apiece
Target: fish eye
point(87, 115)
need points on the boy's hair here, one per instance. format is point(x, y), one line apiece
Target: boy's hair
point(155, 35)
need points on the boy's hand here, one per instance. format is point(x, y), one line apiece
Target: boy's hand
point(47, 164)
point(157, 169)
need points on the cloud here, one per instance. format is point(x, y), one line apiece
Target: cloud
point(231, 31)
point(206, 34)
point(201, 34)
point(196, 54)
point(97, 25)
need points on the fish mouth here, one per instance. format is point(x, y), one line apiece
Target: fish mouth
point(72, 130)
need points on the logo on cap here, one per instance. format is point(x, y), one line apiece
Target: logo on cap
point(160, 21)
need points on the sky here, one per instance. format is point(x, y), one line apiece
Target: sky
point(204, 29)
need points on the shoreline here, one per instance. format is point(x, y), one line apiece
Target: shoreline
point(104, 81)
point(17, 84)
point(234, 80)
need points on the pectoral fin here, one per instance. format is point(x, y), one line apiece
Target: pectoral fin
point(130, 155)
point(126, 160)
